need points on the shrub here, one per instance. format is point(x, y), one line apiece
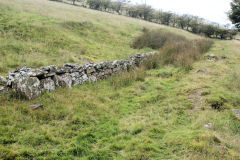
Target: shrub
point(203, 45)
point(184, 53)
point(155, 39)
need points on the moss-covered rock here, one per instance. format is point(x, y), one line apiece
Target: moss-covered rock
point(27, 87)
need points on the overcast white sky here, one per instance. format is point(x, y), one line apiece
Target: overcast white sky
point(212, 10)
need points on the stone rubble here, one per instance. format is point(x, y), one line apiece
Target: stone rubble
point(29, 83)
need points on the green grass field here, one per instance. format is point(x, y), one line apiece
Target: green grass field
point(160, 117)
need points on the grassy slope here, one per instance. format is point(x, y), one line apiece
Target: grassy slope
point(153, 119)
point(40, 33)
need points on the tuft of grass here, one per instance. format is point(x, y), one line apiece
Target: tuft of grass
point(152, 62)
point(6, 153)
point(235, 79)
point(217, 102)
point(127, 78)
point(165, 74)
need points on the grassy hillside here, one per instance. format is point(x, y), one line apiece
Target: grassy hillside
point(37, 33)
point(159, 117)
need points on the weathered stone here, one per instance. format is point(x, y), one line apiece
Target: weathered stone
point(48, 84)
point(69, 65)
point(208, 125)
point(107, 71)
point(51, 68)
point(71, 68)
point(76, 78)
point(27, 87)
point(99, 65)
point(85, 78)
point(38, 73)
point(92, 79)
point(90, 70)
point(63, 81)
point(36, 106)
point(30, 82)
point(51, 74)
point(212, 56)
point(115, 70)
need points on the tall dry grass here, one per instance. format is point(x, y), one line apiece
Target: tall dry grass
point(174, 49)
point(184, 53)
point(155, 39)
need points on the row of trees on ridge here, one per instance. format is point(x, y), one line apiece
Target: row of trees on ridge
point(190, 23)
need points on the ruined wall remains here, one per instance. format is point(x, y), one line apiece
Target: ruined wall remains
point(29, 82)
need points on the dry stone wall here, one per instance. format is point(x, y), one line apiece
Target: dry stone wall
point(29, 83)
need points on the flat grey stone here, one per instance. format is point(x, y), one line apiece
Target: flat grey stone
point(212, 56)
point(36, 106)
point(208, 125)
